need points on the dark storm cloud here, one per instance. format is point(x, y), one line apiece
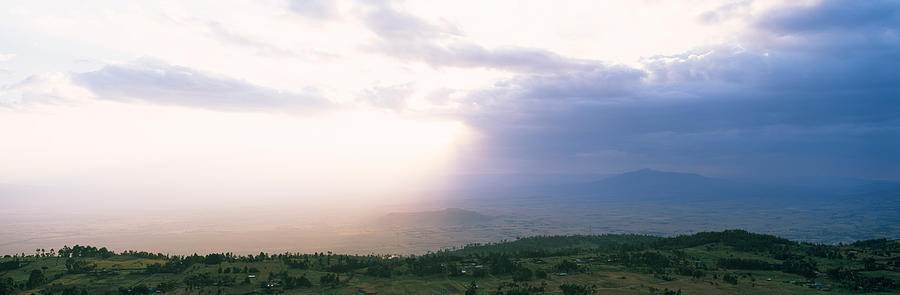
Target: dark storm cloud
point(155, 82)
point(832, 15)
point(775, 70)
point(743, 134)
point(829, 105)
point(844, 29)
point(596, 83)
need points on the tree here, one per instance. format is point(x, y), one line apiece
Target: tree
point(78, 265)
point(522, 274)
point(574, 289)
point(141, 289)
point(303, 282)
point(470, 290)
point(35, 279)
point(7, 286)
point(869, 264)
point(730, 278)
point(500, 264)
point(379, 270)
point(566, 266)
point(330, 279)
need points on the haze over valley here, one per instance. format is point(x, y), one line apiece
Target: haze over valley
point(643, 201)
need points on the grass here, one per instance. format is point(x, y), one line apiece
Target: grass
point(606, 276)
point(609, 279)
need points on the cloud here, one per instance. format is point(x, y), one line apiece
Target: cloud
point(599, 83)
point(805, 88)
point(160, 83)
point(221, 33)
point(740, 133)
point(831, 15)
point(408, 37)
point(837, 28)
point(527, 95)
point(224, 34)
point(48, 88)
point(314, 9)
point(390, 23)
point(829, 46)
point(763, 105)
point(389, 97)
point(723, 12)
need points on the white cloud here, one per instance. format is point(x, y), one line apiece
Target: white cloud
point(51, 88)
point(345, 48)
point(157, 82)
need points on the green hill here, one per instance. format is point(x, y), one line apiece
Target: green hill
point(727, 262)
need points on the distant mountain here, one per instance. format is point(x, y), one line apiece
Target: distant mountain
point(449, 216)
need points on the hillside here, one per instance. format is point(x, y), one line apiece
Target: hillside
point(727, 262)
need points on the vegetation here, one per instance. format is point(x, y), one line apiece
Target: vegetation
point(727, 262)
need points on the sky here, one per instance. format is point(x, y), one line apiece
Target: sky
point(330, 101)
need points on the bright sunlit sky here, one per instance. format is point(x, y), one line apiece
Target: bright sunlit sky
point(329, 100)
